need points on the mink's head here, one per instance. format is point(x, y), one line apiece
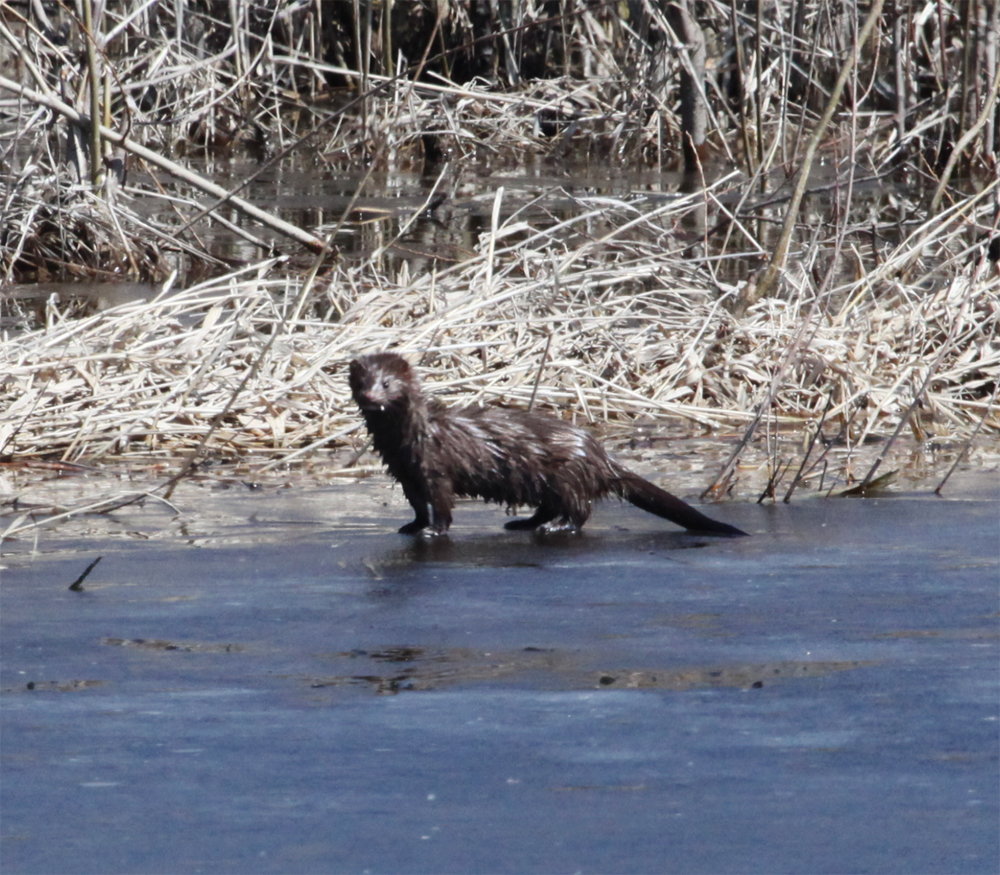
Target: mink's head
point(381, 382)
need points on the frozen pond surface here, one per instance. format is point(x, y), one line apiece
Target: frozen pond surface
point(294, 688)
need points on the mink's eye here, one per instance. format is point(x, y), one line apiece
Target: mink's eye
point(385, 384)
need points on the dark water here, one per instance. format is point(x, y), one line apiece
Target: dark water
point(425, 221)
point(284, 685)
point(377, 213)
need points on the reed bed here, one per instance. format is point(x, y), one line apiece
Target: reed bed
point(646, 304)
point(405, 86)
point(618, 327)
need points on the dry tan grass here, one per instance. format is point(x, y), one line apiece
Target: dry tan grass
point(630, 329)
point(622, 327)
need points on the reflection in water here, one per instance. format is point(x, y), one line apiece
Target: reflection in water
point(31, 305)
point(504, 549)
point(413, 223)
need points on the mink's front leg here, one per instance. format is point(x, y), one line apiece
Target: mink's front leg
point(421, 507)
point(432, 506)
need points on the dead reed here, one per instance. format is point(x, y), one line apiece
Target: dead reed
point(630, 329)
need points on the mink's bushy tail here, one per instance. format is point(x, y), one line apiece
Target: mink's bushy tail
point(652, 499)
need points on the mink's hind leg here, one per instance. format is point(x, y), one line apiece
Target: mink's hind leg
point(570, 519)
point(562, 525)
point(541, 517)
point(423, 528)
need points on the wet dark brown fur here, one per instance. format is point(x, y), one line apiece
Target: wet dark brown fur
point(511, 457)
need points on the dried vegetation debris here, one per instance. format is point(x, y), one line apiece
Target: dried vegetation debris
point(629, 307)
point(65, 233)
point(615, 338)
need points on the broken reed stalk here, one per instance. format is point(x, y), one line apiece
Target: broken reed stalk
point(969, 440)
point(195, 455)
point(800, 474)
point(918, 396)
point(542, 361)
point(768, 283)
point(296, 312)
point(985, 114)
point(280, 225)
point(720, 485)
point(91, 29)
point(103, 505)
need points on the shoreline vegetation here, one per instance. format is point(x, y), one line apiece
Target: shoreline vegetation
point(826, 264)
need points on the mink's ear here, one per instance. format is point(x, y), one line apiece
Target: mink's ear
point(397, 364)
point(355, 373)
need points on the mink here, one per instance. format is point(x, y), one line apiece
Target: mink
point(507, 456)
